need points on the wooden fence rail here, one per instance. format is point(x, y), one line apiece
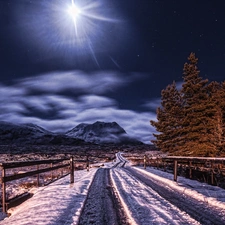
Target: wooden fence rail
point(178, 164)
point(9, 165)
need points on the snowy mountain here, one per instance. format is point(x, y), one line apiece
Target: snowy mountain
point(97, 133)
point(22, 134)
point(102, 133)
point(21, 129)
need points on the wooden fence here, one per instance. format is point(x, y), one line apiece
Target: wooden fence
point(54, 165)
point(206, 169)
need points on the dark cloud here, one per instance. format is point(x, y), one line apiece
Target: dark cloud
point(59, 112)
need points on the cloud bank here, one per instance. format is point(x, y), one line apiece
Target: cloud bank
point(60, 101)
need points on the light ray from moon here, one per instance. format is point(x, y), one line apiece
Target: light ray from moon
point(93, 54)
point(74, 12)
point(85, 17)
point(75, 28)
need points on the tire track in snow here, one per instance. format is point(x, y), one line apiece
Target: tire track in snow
point(200, 211)
point(101, 206)
point(145, 205)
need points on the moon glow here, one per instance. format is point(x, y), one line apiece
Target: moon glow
point(74, 12)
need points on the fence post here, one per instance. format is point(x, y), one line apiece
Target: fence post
point(38, 177)
point(87, 163)
point(164, 166)
point(51, 172)
point(212, 176)
point(175, 170)
point(145, 161)
point(3, 190)
point(190, 169)
point(71, 170)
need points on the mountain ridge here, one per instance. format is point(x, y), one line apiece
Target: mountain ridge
point(102, 133)
point(96, 133)
point(31, 134)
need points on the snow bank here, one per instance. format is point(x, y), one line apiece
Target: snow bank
point(58, 203)
point(145, 206)
point(214, 196)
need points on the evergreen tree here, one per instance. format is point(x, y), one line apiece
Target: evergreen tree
point(168, 120)
point(222, 105)
point(219, 100)
point(215, 98)
point(191, 122)
point(198, 126)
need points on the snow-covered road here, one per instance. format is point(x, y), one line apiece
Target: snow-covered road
point(122, 194)
point(143, 204)
point(201, 211)
point(101, 205)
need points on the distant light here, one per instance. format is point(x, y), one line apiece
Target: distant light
point(74, 11)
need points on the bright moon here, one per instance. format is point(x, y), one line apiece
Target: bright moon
point(74, 11)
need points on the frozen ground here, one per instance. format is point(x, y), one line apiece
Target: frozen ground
point(146, 197)
point(57, 203)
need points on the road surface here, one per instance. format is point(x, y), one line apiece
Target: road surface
point(124, 195)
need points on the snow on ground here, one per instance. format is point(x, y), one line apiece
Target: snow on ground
point(61, 202)
point(213, 195)
point(58, 203)
point(144, 205)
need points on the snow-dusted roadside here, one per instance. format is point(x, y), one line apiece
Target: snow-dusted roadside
point(205, 203)
point(212, 195)
point(61, 203)
point(144, 205)
point(58, 203)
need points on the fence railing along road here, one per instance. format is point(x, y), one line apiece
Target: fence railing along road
point(211, 170)
point(53, 164)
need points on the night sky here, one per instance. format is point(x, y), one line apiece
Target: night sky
point(110, 65)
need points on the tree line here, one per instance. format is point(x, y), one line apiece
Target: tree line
point(191, 121)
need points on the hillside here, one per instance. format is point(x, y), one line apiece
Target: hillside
point(102, 133)
point(31, 134)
